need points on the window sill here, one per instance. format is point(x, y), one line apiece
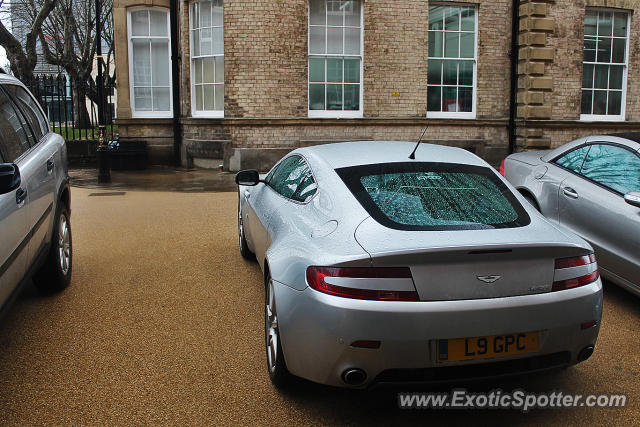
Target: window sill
point(327, 114)
point(600, 118)
point(208, 115)
point(152, 115)
point(445, 115)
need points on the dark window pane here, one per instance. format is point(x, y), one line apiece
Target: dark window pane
point(467, 45)
point(316, 97)
point(451, 45)
point(620, 25)
point(590, 23)
point(434, 98)
point(352, 70)
point(602, 76)
point(589, 49)
point(619, 50)
point(605, 24)
point(587, 76)
point(573, 160)
point(334, 70)
point(604, 50)
point(450, 74)
point(613, 167)
point(465, 99)
point(615, 103)
point(434, 72)
point(587, 99)
point(351, 97)
point(449, 99)
point(13, 130)
point(335, 40)
point(334, 97)
point(615, 76)
point(468, 19)
point(436, 43)
point(316, 70)
point(291, 172)
point(435, 17)
point(36, 120)
point(466, 73)
point(600, 102)
point(334, 12)
point(452, 18)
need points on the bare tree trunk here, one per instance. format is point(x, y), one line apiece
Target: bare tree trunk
point(81, 117)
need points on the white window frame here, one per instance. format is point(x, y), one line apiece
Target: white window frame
point(339, 114)
point(458, 114)
point(147, 114)
point(625, 70)
point(211, 114)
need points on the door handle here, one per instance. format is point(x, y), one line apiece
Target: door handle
point(570, 192)
point(21, 196)
point(50, 165)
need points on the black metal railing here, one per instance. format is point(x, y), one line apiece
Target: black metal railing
point(72, 107)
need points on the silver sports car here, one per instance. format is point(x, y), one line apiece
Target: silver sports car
point(592, 187)
point(382, 268)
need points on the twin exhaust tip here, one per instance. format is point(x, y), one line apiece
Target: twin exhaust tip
point(585, 353)
point(354, 376)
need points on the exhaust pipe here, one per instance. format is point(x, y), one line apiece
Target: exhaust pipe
point(354, 376)
point(585, 353)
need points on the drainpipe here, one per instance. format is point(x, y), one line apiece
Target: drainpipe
point(175, 73)
point(513, 101)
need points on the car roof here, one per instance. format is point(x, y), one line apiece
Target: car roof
point(8, 78)
point(345, 154)
point(628, 139)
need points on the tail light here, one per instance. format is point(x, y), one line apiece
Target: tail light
point(368, 283)
point(575, 272)
point(502, 167)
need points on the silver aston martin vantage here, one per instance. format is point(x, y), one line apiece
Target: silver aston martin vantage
point(383, 268)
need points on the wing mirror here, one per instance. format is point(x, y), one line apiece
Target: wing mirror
point(249, 177)
point(633, 198)
point(9, 177)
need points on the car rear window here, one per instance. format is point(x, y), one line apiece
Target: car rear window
point(434, 196)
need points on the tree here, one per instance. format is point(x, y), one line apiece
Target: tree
point(32, 15)
point(68, 39)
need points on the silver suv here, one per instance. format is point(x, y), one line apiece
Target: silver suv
point(35, 200)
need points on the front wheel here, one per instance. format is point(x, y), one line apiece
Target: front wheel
point(276, 366)
point(55, 274)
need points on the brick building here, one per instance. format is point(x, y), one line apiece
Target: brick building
point(258, 78)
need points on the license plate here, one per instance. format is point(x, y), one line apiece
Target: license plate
point(486, 347)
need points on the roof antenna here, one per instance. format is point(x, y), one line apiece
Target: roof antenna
point(412, 156)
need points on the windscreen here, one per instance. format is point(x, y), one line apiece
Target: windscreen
point(434, 196)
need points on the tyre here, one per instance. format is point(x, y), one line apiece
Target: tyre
point(55, 274)
point(276, 366)
point(244, 248)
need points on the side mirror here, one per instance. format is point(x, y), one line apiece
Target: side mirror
point(249, 177)
point(9, 177)
point(633, 198)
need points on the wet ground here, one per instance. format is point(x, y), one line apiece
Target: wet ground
point(163, 324)
point(157, 179)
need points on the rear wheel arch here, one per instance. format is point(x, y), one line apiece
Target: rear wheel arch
point(530, 197)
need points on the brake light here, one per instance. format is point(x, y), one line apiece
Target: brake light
point(502, 167)
point(368, 283)
point(574, 272)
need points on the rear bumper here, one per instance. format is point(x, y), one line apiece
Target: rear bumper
point(317, 329)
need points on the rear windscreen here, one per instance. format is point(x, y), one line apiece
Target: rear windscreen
point(434, 196)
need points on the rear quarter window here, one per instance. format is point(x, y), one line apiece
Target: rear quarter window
point(434, 196)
